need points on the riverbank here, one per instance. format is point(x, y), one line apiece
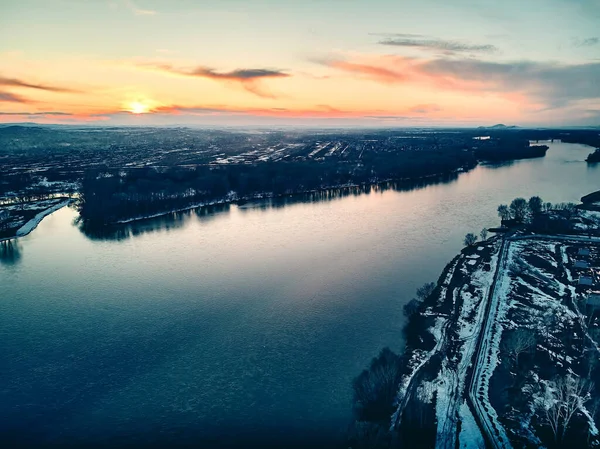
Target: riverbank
point(485, 314)
point(21, 222)
point(507, 323)
point(233, 198)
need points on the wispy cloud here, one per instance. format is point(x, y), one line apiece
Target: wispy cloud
point(434, 44)
point(321, 110)
point(317, 111)
point(554, 84)
point(589, 42)
point(548, 83)
point(36, 114)
point(8, 97)
point(425, 108)
point(376, 72)
point(390, 118)
point(249, 79)
point(200, 110)
point(14, 82)
point(137, 10)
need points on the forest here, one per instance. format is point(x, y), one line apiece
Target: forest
point(109, 196)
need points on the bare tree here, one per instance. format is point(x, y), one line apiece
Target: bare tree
point(564, 396)
point(593, 411)
point(503, 212)
point(591, 360)
point(518, 209)
point(483, 234)
point(517, 342)
point(567, 209)
point(535, 205)
point(425, 290)
point(369, 435)
point(375, 388)
point(470, 239)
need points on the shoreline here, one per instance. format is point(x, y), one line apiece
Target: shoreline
point(270, 195)
point(445, 331)
point(33, 223)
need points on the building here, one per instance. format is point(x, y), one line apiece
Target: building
point(581, 264)
point(583, 252)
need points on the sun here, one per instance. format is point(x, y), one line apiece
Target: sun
point(137, 107)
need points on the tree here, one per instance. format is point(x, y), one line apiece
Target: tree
point(536, 205)
point(548, 207)
point(483, 234)
point(425, 290)
point(470, 239)
point(375, 388)
point(411, 307)
point(503, 212)
point(564, 396)
point(518, 209)
point(369, 435)
point(568, 210)
point(517, 342)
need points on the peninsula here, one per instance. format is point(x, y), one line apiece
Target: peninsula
point(503, 351)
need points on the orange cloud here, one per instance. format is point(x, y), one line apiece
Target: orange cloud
point(14, 82)
point(319, 111)
point(527, 83)
point(249, 79)
point(403, 70)
point(7, 97)
point(382, 74)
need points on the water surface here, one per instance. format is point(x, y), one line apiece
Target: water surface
point(245, 324)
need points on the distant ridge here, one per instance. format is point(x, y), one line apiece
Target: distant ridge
point(498, 126)
point(20, 128)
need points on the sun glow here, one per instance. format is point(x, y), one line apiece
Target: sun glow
point(136, 107)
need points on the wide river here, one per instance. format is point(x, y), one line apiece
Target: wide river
point(246, 324)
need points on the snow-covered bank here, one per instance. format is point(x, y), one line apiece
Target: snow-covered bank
point(458, 313)
point(36, 220)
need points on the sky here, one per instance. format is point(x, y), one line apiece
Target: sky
point(310, 62)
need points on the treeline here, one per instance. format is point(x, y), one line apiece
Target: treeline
point(522, 211)
point(586, 137)
point(536, 215)
point(508, 148)
point(108, 196)
point(22, 198)
point(18, 186)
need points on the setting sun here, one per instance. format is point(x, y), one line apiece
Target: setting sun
point(136, 107)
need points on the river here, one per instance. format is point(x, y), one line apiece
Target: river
point(245, 324)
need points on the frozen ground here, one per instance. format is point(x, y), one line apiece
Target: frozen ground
point(524, 283)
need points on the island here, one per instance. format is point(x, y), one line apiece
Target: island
point(593, 157)
point(503, 351)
